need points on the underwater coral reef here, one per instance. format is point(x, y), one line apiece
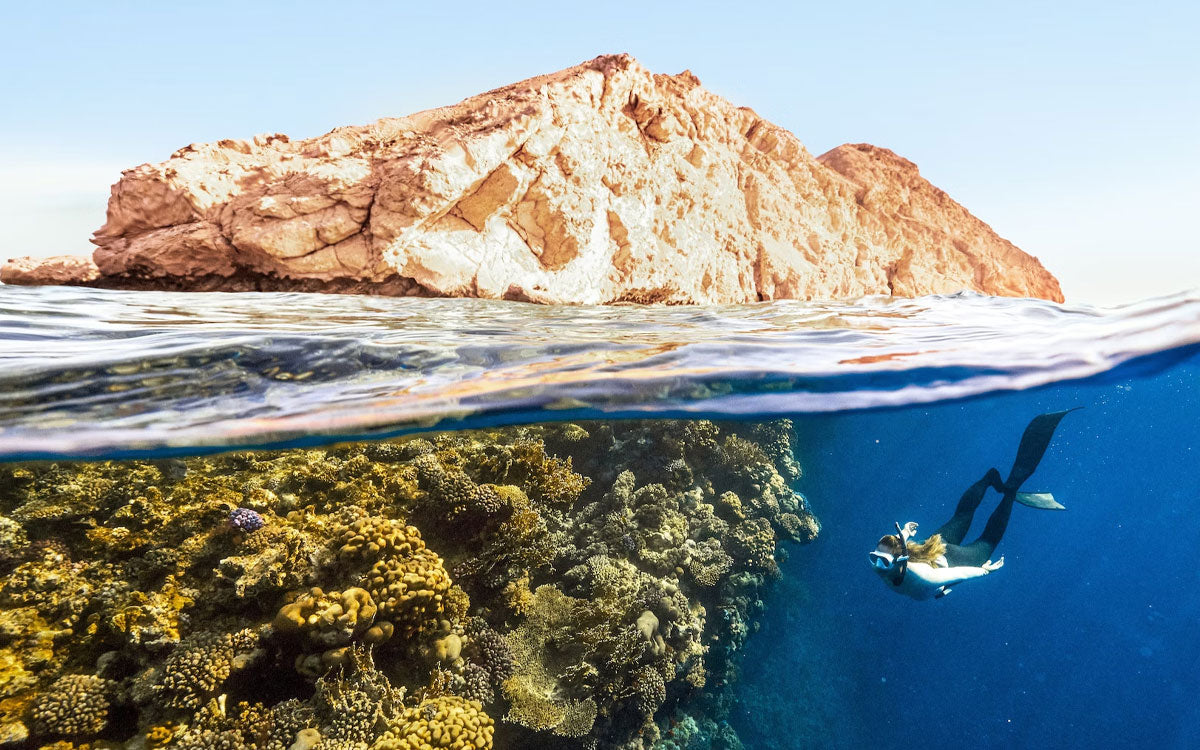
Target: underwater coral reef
point(583, 585)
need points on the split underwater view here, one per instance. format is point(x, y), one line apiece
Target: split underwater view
point(323, 522)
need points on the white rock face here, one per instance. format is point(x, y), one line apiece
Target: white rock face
point(601, 183)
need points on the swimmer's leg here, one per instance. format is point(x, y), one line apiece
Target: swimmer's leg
point(1034, 442)
point(980, 551)
point(955, 529)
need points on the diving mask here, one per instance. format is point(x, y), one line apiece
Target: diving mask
point(882, 560)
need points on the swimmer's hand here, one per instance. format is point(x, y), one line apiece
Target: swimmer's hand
point(910, 529)
point(989, 566)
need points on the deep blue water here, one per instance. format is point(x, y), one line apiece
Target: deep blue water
point(1089, 636)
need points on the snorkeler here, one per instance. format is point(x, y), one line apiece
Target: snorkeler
point(927, 570)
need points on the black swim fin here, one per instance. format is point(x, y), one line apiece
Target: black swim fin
point(1033, 446)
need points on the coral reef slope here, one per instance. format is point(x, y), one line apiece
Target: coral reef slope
point(582, 585)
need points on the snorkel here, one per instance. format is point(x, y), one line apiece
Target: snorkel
point(903, 540)
point(902, 560)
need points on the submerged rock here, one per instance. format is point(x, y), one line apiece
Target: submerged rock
point(600, 183)
point(570, 586)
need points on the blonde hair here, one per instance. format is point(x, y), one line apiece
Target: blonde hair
point(927, 551)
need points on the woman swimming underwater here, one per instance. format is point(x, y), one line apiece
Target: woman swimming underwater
point(927, 570)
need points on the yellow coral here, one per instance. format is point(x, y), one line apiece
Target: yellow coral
point(372, 538)
point(730, 505)
point(446, 721)
point(518, 596)
point(153, 617)
point(530, 704)
point(409, 590)
point(160, 736)
point(457, 604)
point(328, 619)
point(533, 690)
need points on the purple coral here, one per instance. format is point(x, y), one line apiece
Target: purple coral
point(246, 520)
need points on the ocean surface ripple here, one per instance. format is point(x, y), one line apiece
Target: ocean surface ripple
point(87, 372)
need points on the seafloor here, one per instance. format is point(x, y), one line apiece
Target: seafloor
point(561, 586)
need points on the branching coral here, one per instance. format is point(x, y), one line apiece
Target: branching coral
point(753, 543)
point(76, 705)
point(525, 463)
point(540, 647)
point(707, 562)
point(477, 684)
point(354, 704)
point(201, 664)
point(489, 650)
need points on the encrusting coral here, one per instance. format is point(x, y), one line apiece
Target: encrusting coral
point(570, 585)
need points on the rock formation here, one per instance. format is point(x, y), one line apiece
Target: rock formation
point(932, 244)
point(600, 183)
point(57, 270)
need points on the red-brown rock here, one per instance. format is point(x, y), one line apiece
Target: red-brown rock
point(601, 183)
point(937, 244)
point(59, 270)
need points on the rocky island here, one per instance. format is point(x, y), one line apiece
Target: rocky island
point(602, 183)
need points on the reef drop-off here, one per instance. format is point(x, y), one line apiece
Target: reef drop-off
point(581, 585)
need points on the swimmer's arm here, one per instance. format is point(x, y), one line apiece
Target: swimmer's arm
point(946, 576)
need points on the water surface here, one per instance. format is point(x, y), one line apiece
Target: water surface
point(661, 515)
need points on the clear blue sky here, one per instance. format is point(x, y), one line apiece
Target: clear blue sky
point(1073, 128)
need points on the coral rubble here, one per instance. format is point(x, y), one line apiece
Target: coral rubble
point(571, 585)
